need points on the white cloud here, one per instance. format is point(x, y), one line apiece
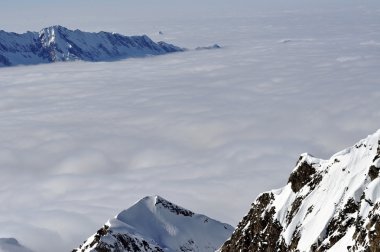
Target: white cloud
point(208, 130)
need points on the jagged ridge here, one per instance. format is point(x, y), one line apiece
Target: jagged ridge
point(57, 43)
point(154, 224)
point(327, 205)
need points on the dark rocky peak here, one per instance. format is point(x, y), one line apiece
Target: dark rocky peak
point(161, 202)
point(215, 46)
point(302, 174)
point(52, 32)
point(11, 241)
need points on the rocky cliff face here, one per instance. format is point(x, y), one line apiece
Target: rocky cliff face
point(156, 225)
point(57, 43)
point(327, 205)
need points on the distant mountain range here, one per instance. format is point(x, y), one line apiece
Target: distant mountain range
point(327, 205)
point(154, 224)
point(12, 245)
point(57, 43)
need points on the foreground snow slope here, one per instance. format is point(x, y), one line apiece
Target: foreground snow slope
point(327, 205)
point(155, 224)
point(57, 43)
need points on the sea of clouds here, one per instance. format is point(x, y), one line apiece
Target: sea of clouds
point(208, 130)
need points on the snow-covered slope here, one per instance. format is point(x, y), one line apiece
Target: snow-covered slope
point(58, 43)
point(11, 245)
point(155, 224)
point(327, 205)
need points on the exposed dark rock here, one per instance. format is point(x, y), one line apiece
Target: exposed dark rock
point(215, 46)
point(173, 208)
point(121, 243)
point(339, 225)
point(295, 207)
point(258, 231)
point(294, 242)
point(357, 146)
point(316, 179)
point(373, 172)
point(301, 176)
point(370, 230)
point(378, 151)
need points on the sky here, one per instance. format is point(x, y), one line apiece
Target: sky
point(114, 15)
point(208, 130)
point(95, 14)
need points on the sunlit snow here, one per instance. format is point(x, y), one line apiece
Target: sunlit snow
point(208, 130)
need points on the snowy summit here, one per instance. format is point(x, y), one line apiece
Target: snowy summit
point(154, 224)
point(327, 205)
point(57, 43)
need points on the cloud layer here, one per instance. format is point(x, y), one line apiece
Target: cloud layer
point(208, 130)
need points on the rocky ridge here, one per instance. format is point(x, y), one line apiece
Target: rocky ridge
point(154, 224)
point(327, 205)
point(57, 43)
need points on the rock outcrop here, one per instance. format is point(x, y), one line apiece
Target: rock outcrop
point(327, 205)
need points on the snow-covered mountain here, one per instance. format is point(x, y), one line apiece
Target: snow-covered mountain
point(327, 205)
point(12, 245)
point(57, 43)
point(154, 224)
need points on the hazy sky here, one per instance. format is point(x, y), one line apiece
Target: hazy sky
point(81, 141)
point(22, 15)
point(94, 13)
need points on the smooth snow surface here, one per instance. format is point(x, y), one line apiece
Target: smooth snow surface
point(206, 129)
point(168, 226)
point(344, 177)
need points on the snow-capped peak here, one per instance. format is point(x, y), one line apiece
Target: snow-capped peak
point(156, 224)
point(57, 43)
point(48, 34)
point(157, 203)
point(327, 205)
